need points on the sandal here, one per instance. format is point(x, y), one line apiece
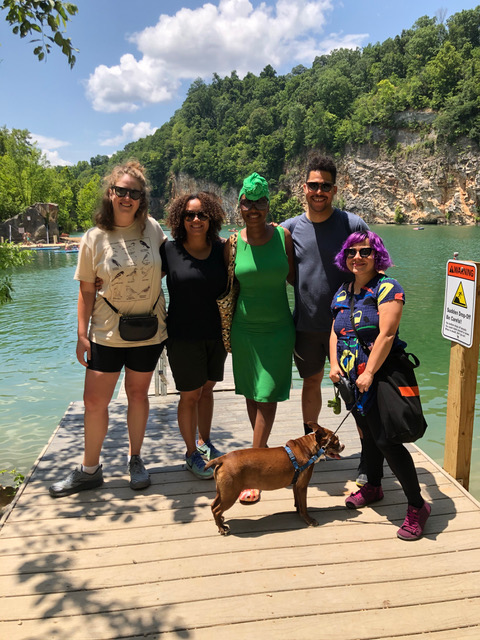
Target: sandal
point(249, 496)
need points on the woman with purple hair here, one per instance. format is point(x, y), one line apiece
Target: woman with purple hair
point(374, 303)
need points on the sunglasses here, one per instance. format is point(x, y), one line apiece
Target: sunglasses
point(190, 216)
point(259, 205)
point(364, 252)
point(326, 187)
point(121, 192)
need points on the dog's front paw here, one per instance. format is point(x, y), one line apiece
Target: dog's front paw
point(224, 530)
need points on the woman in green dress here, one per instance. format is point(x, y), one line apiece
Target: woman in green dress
point(263, 333)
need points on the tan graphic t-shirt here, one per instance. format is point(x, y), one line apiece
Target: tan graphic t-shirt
point(130, 266)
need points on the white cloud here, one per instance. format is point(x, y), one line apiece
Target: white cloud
point(49, 146)
point(233, 35)
point(124, 86)
point(130, 133)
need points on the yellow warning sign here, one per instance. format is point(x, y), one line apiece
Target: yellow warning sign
point(459, 298)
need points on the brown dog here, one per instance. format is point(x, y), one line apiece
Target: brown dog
point(271, 469)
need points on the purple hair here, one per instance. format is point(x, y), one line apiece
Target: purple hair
point(382, 257)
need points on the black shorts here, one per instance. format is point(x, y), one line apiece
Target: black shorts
point(194, 362)
point(311, 351)
point(112, 359)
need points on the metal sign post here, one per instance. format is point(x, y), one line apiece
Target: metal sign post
point(461, 325)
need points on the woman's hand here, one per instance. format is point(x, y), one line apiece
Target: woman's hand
point(335, 373)
point(364, 381)
point(86, 300)
point(83, 350)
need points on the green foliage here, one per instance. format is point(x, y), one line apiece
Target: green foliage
point(230, 127)
point(87, 202)
point(283, 207)
point(10, 256)
point(399, 217)
point(22, 176)
point(43, 18)
point(15, 476)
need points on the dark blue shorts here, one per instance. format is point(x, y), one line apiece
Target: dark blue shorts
point(113, 359)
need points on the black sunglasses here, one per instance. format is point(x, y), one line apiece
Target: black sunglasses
point(260, 205)
point(323, 186)
point(121, 192)
point(190, 216)
point(364, 252)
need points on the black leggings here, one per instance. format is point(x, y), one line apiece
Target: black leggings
point(375, 449)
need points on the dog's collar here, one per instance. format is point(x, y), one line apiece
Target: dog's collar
point(297, 467)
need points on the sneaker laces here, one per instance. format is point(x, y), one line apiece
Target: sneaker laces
point(197, 460)
point(411, 522)
point(136, 464)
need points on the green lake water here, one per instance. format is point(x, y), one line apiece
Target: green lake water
point(40, 375)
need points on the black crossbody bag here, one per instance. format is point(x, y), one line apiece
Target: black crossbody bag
point(398, 397)
point(136, 328)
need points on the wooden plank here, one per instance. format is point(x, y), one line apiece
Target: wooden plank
point(341, 567)
point(115, 563)
point(338, 612)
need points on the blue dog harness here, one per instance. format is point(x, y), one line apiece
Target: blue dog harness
point(298, 469)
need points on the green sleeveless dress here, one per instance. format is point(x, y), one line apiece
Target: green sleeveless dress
point(263, 333)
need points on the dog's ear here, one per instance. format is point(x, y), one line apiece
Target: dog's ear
point(314, 426)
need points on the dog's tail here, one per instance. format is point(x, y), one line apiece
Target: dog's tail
point(216, 462)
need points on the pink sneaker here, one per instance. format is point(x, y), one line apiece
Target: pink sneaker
point(365, 495)
point(414, 523)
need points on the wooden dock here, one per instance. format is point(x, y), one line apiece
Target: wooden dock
point(113, 563)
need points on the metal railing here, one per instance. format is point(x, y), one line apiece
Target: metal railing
point(160, 375)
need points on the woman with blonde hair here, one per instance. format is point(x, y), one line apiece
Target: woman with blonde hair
point(123, 251)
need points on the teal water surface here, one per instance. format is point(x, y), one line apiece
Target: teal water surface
point(40, 375)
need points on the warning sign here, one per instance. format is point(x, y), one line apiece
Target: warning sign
point(459, 298)
point(459, 307)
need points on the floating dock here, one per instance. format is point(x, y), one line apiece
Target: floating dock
point(113, 563)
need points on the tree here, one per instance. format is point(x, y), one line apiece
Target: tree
point(10, 256)
point(22, 172)
point(282, 207)
point(443, 73)
point(43, 17)
point(88, 198)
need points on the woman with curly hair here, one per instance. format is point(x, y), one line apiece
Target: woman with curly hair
point(121, 251)
point(196, 276)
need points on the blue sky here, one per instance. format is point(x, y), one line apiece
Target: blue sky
point(136, 60)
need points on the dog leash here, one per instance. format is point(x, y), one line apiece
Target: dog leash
point(345, 417)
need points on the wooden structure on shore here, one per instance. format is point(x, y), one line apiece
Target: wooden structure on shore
point(113, 563)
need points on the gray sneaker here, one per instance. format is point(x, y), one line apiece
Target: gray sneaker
point(76, 481)
point(208, 450)
point(139, 477)
point(196, 464)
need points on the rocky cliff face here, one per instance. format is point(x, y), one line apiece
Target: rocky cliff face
point(424, 188)
point(418, 182)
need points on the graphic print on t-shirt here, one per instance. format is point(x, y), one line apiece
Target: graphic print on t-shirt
point(131, 268)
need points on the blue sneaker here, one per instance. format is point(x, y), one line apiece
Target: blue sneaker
point(196, 464)
point(208, 450)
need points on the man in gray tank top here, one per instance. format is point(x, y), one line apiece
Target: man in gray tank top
point(317, 236)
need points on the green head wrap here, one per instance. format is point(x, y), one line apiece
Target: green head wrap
point(254, 187)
